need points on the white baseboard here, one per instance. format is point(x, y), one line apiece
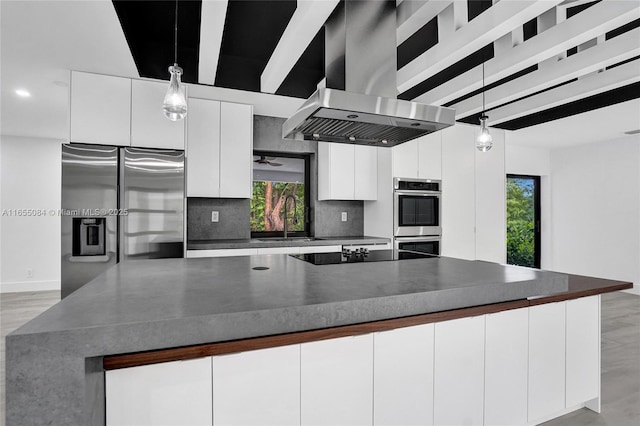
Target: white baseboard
point(22, 286)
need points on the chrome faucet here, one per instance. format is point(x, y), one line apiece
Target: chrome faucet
point(295, 219)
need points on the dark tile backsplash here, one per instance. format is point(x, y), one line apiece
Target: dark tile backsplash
point(234, 213)
point(233, 219)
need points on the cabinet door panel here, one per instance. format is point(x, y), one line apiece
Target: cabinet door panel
point(171, 393)
point(459, 372)
point(546, 360)
point(366, 172)
point(430, 156)
point(458, 193)
point(236, 145)
point(506, 356)
point(336, 171)
point(100, 109)
point(260, 387)
point(403, 376)
point(583, 350)
point(490, 202)
point(203, 148)
point(337, 381)
point(405, 159)
point(149, 127)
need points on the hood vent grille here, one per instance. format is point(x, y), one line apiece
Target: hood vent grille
point(333, 130)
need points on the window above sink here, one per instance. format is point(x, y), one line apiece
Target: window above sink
point(280, 184)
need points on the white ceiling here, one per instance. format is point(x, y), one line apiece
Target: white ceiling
point(42, 40)
point(604, 124)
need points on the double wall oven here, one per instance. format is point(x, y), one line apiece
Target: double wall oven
point(416, 216)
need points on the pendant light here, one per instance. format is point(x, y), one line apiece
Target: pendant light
point(484, 141)
point(175, 101)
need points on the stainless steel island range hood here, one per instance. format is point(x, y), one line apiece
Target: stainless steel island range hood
point(358, 104)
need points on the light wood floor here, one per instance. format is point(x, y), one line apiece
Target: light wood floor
point(620, 354)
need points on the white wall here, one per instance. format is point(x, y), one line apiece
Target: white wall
point(524, 160)
point(30, 172)
point(595, 210)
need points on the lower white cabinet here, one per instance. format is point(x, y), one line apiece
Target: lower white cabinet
point(320, 249)
point(546, 360)
point(172, 393)
point(337, 381)
point(279, 250)
point(583, 350)
point(505, 376)
point(403, 373)
point(506, 368)
point(222, 253)
point(459, 372)
point(257, 388)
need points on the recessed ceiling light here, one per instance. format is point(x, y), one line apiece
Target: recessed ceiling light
point(23, 93)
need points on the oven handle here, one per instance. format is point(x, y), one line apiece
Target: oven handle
point(418, 239)
point(419, 193)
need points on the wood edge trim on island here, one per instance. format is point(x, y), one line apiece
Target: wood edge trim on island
point(114, 362)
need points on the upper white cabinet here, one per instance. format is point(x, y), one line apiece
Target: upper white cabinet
point(337, 381)
point(170, 393)
point(219, 149)
point(458, 192)
point(236, 150)
point(149, 127)
point(347, 172)
point(100, 109)
point(203, 148)
point(419, 158)
point(260, 387)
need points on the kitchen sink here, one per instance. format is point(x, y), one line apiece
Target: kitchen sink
point(300, 239)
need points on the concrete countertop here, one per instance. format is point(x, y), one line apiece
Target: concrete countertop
point(293, 242)
point(54, 364)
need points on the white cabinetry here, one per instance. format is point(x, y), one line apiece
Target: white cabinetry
point(403, 372)
point(203, 148)
point(583, 350)
point(100, 109)
point(347, 172)
point(490, 201)
point(171, 393)
point(546, 360)
point(459, 372)
point(219, 149)
point(505, 377)
point(260, 387)
point(149, 126)
point(236, 150)
point(337, 381)
point(458, 192)
point(419, 158)
point(221, 253)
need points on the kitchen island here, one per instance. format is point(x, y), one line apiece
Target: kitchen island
point(55, 363)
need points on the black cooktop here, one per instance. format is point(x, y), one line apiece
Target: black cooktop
point(361, 256)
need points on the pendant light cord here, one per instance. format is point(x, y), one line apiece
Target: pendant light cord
point(175, 37)
point(483, 87)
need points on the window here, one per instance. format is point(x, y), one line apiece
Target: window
point(523, 220)
point(280, 178)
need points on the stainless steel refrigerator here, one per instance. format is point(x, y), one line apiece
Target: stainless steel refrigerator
point(118, 204)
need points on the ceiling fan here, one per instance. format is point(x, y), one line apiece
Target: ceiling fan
point(267, 160)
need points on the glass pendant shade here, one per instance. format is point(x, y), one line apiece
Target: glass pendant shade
point(175, 101)
point(484, 141)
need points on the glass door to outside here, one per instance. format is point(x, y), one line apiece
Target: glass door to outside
point(523, 220)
